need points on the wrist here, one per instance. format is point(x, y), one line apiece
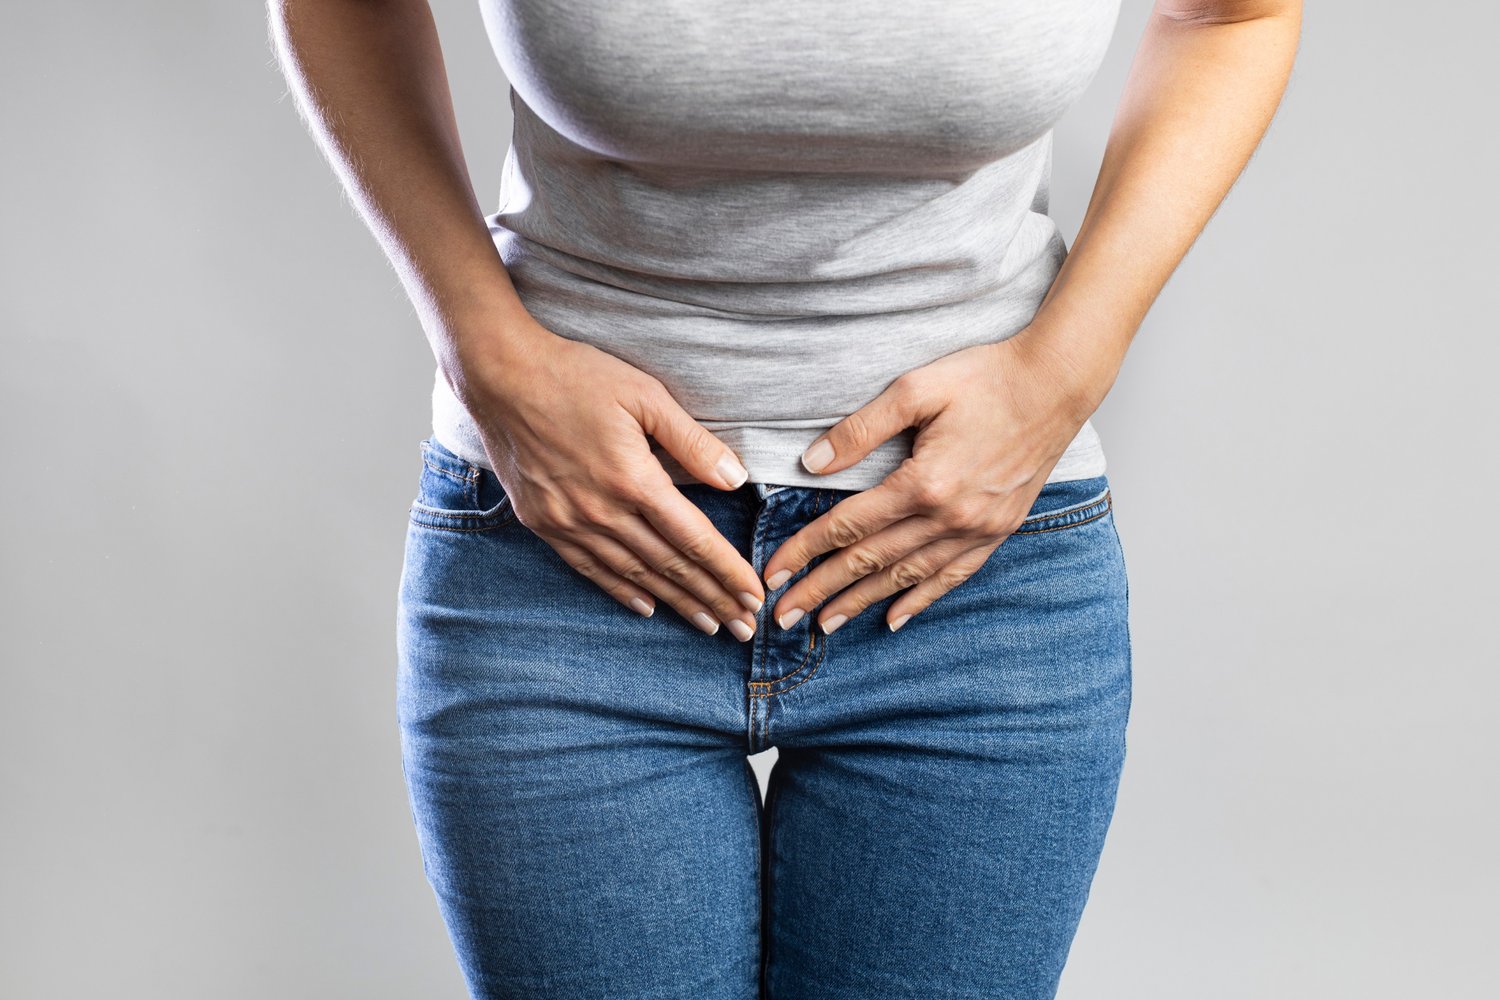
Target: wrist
point(485, 353)
point(1080, 375)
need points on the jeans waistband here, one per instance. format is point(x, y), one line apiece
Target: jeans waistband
point(764, 490)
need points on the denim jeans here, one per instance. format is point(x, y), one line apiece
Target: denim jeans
point(589, 821)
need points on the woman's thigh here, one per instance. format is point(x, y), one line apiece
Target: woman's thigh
point(941, 797)
point(585, 810)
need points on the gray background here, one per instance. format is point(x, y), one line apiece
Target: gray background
point(212, 392)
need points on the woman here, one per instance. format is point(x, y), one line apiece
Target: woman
point(772, 326)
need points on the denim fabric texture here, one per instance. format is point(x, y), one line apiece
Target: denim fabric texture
point(592, 828)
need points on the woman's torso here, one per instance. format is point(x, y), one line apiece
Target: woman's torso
point(778, 208)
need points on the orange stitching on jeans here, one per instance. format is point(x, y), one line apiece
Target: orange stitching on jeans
point(1108, 505)
point(765, 724)
point(1050, 514)
point(811, 643)
point(822, 651)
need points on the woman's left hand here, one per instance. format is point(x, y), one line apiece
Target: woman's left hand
point(992, 422)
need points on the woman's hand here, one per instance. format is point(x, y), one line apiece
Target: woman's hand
point(564, 425)
point(992, 422)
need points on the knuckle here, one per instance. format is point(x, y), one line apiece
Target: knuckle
point(863, 562)
point(948, 578)
point(968, 515)
point(594, 511)
point(856, 430)
point(674, 567)
point(726, 609)
point(698, 548)
point(906, 574)
point(931, 493)
point(701, 445)
point(635, 571)
point(627, 488)
point(841, 533)
point(646, 391)
point(557, 516)
point(907, 391)
point(586, 564)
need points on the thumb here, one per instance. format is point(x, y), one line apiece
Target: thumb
point(686, 440)
point(862, 431)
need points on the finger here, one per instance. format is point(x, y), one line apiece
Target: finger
point(849, 565)
point(688, 441)
point(684, 526)
point(634, 597)
point(898, 407)
point(938, 567)
point(645, 546)
point(606, 561)
point(920, 597)
point(849, 520)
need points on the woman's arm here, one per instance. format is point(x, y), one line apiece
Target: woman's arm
point(993, 420)
point(1205, 83)
point(369, 79)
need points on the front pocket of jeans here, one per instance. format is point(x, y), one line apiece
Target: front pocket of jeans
point(454, 495)
point(1068, 516)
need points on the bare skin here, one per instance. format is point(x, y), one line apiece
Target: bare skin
point(993, 420)
point(564, 424)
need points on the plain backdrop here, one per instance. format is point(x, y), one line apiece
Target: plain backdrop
point(212, 391)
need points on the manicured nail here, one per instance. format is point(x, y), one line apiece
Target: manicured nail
point(750, 601)
point(733, 472)
point(741, 631)
point(778, 578)
point(899, 622)
point(819, 455)
point(833, 622)
point(791, 618)
point(641, 606)
point(705, 622)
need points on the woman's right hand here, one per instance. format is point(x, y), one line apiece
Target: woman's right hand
point(565, 427)
point(564, 424)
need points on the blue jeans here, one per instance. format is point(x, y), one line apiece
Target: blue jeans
point(591, 826)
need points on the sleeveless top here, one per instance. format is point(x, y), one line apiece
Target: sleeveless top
point(778, 207)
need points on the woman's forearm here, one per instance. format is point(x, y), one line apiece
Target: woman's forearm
point(1205, 83)
point(369, 79)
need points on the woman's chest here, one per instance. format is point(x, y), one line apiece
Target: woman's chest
point(786, 85)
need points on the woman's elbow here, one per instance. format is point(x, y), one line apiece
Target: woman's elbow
point(1225, 11)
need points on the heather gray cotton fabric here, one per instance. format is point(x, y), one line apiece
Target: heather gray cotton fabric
point(778, 207)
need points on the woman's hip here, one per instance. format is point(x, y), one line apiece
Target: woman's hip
point(497, 633)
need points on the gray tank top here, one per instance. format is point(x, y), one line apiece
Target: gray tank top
point(777, 207)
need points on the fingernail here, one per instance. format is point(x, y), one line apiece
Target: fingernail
point(705, 622)
point(778, 578)
point(899, 622)
point(750, 601)
point(741, 631)
point(833, 622)
point(641, 606)
point(791, 618)
point(732, 471)
point(819, 455)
